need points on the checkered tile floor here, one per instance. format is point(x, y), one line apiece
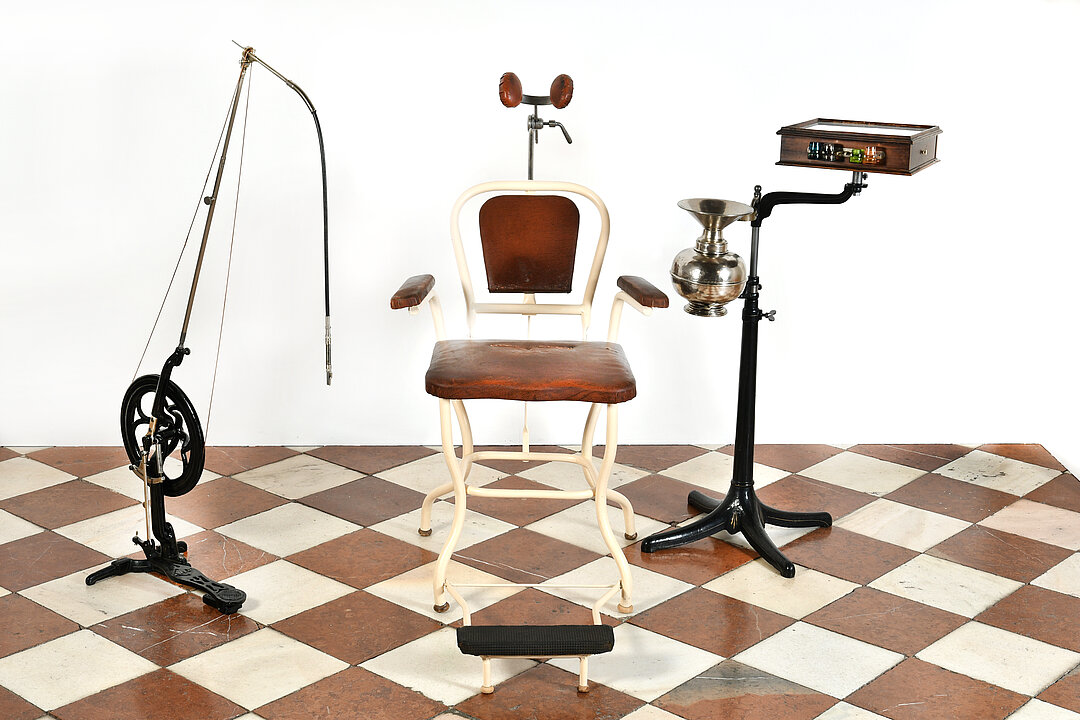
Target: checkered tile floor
point(949, 587)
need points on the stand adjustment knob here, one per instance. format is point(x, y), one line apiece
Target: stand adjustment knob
point(770, 316)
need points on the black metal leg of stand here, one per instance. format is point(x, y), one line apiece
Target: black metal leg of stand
point(740, 510)
point(165, 557)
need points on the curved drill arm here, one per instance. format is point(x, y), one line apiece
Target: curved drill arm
point(638, 293)
point(250, 53)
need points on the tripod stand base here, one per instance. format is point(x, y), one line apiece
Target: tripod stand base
point(739, 511)
point(219, 596)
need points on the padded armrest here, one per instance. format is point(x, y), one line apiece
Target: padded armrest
point(644, 292)
point(412, 292)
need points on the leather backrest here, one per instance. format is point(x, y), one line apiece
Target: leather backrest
point(529, 243)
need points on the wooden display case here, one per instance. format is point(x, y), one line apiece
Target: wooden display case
point(892, 148)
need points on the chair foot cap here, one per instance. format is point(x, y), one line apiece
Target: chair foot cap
point(583, 688)
point(487, 689)
point(630, 536)
point(441, 608)
point(424, 533)
point(626, 608)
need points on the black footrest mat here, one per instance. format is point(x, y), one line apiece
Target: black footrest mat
point(535, 640)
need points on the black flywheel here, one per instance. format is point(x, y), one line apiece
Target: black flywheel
point(183, 447)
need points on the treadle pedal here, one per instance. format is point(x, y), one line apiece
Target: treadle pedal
point(535, 640)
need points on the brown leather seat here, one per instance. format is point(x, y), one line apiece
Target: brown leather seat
point(530, 370)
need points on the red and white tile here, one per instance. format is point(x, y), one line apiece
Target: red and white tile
point(949, 587)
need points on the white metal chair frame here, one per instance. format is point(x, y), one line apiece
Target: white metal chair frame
point(597, 479)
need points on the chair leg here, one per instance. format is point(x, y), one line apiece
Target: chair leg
point(425, 507)
point(630, 532)
point(466, 451)
point(583, 675)
point(602, 518)
point(466, 438)
point(458, 477)
point(627, 511)
point(587, 444)
point(487, 688)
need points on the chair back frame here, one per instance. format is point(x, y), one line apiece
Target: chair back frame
point(528, 306)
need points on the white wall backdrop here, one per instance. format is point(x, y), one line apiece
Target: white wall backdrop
point(935, 308)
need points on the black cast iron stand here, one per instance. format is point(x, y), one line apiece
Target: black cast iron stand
point(166, 557)
point(740, 510)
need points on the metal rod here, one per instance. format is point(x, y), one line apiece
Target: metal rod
point(245, 62)
point(532, 137)
point(754, 232)
point(743, 472)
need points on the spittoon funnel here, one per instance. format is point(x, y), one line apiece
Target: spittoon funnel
point(707, 274)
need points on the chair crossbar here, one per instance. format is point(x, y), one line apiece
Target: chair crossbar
point(546, 494)
point(532, 585)
point(528, 309)
point(575, 458)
